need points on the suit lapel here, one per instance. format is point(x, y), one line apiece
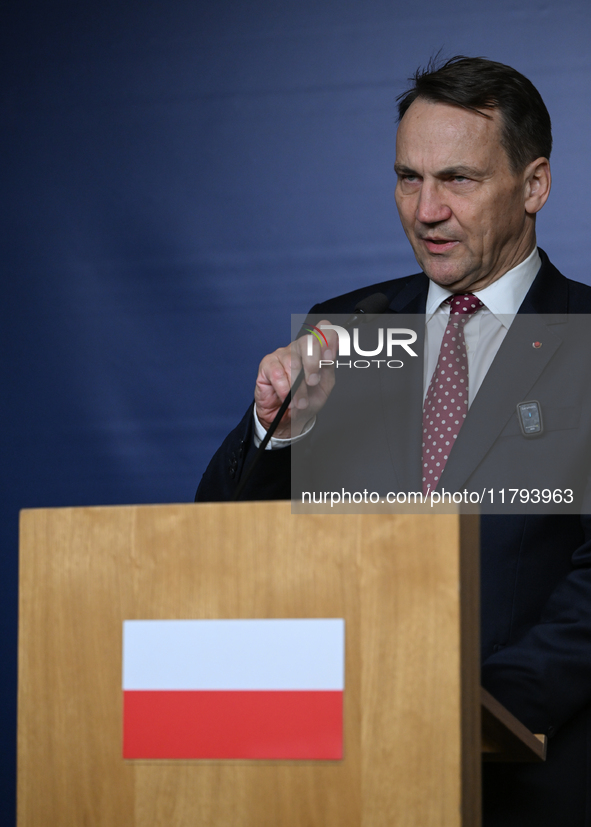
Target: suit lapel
point(515, 369)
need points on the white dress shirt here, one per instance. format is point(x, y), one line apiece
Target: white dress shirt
point(484, 331)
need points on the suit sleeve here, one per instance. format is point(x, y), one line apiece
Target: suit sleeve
point(544, 678)
point(270, 480)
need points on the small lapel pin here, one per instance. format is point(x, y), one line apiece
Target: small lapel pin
point(536, 345)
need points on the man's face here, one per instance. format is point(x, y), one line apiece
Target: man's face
point(460, 205)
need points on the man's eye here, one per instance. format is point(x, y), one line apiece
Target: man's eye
point(459, 178)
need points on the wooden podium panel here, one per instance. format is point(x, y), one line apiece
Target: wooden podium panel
point(412, 725)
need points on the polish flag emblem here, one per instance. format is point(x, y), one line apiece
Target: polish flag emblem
point(234, 689)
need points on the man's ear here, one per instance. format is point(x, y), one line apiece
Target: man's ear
point(537, 183)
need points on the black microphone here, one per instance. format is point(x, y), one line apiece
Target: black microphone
point(370, 306)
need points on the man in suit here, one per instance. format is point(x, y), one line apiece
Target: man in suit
point(472, 166)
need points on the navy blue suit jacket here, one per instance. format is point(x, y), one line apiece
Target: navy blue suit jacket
point(535, 569)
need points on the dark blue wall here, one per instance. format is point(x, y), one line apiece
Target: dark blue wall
point(181, 176)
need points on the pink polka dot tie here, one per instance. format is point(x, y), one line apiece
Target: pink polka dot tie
point(446, 403)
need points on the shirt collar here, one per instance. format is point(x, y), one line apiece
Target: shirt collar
point(503, 297)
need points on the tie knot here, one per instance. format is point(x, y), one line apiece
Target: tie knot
point(464, 305)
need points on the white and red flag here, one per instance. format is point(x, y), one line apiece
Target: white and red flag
point(266, 689)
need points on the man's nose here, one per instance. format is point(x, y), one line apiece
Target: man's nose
point(432, 207)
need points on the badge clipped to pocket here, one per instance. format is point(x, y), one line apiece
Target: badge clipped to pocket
point(529, 415)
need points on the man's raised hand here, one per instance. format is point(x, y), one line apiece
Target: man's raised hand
point(277, 372)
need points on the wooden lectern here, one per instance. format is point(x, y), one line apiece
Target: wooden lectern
point(407, 586)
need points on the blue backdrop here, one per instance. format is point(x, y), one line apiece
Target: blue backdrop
point(181, 176)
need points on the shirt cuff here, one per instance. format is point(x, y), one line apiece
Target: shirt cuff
point(275, 442)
